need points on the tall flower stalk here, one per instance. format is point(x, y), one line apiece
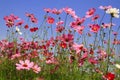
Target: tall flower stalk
point(109, 44)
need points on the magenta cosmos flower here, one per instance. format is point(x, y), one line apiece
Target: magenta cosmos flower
point(77, 22)
point(24, 65)
point(10, 20)
point(67, 38)
point(94, 28)
point(90, 12)
point(78, 48)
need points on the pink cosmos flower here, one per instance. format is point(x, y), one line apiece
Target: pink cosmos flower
point(50, 42)
point(73, 24)
point(51, 60)
point(3, 44)
point(57, 12)
point(94, 28)
point(47, 10)
point(95, 17)
point(77, 22)
point(80, 62)
point(34, 20)
point(90, 12)
point(84, 56)
point(67, 38)
point(36, 68)
point(102, 54)
point(10, 20)
point(14, 17)
point(32, 17)
point(29, 15)
point(92, 61)
point(80, 21)
point(75, 16)
point(116, 42)
point(27, 65)
point(59, 28)
point(107, 25)
point(79, 29)
point(19, 23)
point(34, 53)
point(70, 11)
point(78, 48)
point(59, 23)
point(48, 55)
point(115, 33)
point(105, 7)
point(16, 56)
point(50, 20)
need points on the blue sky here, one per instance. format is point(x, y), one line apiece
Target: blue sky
point(19, 7)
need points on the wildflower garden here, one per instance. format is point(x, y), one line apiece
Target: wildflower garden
point(61, 48)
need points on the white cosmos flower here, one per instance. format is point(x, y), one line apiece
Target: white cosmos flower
point(18, 30)
point(117, 66)
point(114, 12)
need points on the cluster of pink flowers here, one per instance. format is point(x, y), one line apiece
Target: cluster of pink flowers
point(73, 44)
point(54, 11)
point(10, 20)
point(59, 26)
point(67, 10)
point(32, 17)
point(27, 65)
point(77, 25)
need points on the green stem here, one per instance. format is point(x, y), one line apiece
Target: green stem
point(51, 30)
point(108, 46)
point(40, 29)
point(101, 30)
point(94, 46)
point(65, 22)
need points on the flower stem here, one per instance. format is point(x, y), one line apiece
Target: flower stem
point(108, 46)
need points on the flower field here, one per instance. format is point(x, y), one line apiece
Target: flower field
point(64, 46)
